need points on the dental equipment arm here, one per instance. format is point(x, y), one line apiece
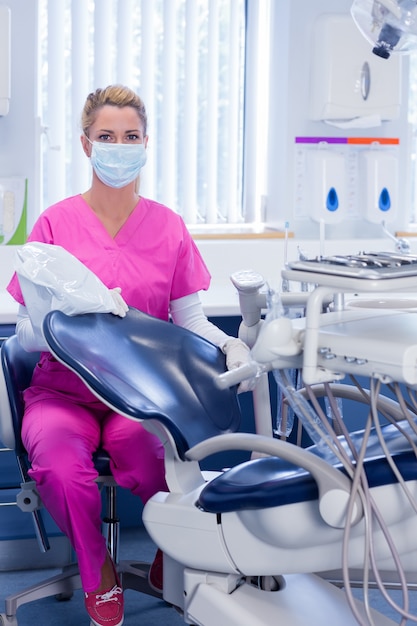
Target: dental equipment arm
point(276, 340)
point(251, 301)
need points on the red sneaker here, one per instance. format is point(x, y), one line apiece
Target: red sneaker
point(155, 576)
point(106, 608)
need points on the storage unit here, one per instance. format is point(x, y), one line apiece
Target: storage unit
point(347, 80)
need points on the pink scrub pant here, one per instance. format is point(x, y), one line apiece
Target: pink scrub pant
point(63, 425)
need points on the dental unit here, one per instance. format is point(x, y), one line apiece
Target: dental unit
point(285, 536)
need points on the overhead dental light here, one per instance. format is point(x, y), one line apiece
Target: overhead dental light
point(389, 25)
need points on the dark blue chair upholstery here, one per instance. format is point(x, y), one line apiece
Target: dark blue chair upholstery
point(18, 368)
point(270, 482)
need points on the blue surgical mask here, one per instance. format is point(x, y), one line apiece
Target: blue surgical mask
point(117, 164)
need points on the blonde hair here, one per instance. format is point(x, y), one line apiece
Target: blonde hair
point(114, 95)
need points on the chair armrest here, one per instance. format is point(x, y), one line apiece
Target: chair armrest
point(334, 486)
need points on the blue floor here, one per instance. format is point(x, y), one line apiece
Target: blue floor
point(381, 605)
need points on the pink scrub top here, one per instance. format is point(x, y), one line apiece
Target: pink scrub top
point(152, 258)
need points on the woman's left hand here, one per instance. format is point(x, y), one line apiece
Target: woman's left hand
point(120, 306)
point(237, 354)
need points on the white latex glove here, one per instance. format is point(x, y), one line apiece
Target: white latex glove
point(120, 306)
point(237, 354)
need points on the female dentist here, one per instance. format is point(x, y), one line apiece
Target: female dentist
point(142, 248)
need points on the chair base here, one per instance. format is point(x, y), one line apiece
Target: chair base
point(303, 599)
point(206, 598)
point(63, 585)
point(133, 575)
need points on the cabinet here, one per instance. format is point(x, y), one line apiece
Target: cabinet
point(347, 80)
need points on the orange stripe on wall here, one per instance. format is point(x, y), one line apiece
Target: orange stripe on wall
point(393, 141)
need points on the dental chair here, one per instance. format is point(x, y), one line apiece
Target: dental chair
point(17, 367)
point(241, 547)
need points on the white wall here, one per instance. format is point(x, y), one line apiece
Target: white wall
point(19, 129)
point(292, 27)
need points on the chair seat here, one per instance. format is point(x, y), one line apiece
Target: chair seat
point(269, 482)
point(102, 462)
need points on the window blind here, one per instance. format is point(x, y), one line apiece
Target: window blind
point(189, 60)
